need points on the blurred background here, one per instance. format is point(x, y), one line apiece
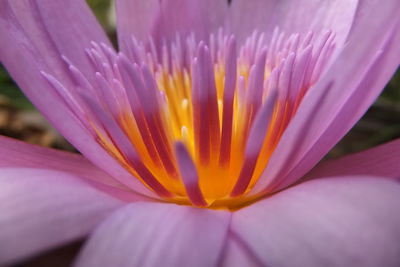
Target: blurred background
point(20, 120)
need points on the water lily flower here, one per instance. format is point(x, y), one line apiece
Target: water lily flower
point(198, 135)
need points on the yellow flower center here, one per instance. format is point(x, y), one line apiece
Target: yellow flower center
point(203, 118)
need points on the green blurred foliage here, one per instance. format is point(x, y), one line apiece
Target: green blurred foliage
point(11, 91)
point(101, 8)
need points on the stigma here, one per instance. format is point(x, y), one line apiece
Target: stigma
point(197, 121)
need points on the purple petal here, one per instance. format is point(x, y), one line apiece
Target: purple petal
point(189, 175)
point(41, 209)
point(185, 17)
point(380, 161)
point(163, 20)
point(293, 17)
point(341, 221)
point(135, 18)
point(237, 254)
point(17, 154)
point(49, 29)
point(35, 37)
point(358, 75)
point(149, 234)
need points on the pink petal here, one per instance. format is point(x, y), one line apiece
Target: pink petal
point(341, 221)
point(238, 254)
point(135, 18)
point(34, 37)
point(190, 16)
point(41, 209)
point(293, 17)
point(17, 154)
point(380, 161)
point(149, 234)
point(162, 20)
point(49, 29)
point(357, 77)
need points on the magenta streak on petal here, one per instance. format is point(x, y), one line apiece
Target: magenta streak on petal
point(150, 110)
point(241, 92)
point(229, 92)
point(323, 136)
point(155, 123)
point(373, 79)
point(128, 74)
point(200, 105)
point(295, 144)
point(39, 46)
point(127, 149)
point(189, 175)
point(213, 118)
point(255, 141)
point(140, 86)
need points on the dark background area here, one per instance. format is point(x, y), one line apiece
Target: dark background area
point(19, 119)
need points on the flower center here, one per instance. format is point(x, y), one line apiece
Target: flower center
point(197, 122)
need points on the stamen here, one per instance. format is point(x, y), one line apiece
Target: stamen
point(255, 141)
point(155, 124)
point(200, 107)
point(81, 80)
point(229, 93)
point(126, 148)
point(107, 96)
point(212, 107)
point(197, 122)
point(130, 79)
point(189, 175)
